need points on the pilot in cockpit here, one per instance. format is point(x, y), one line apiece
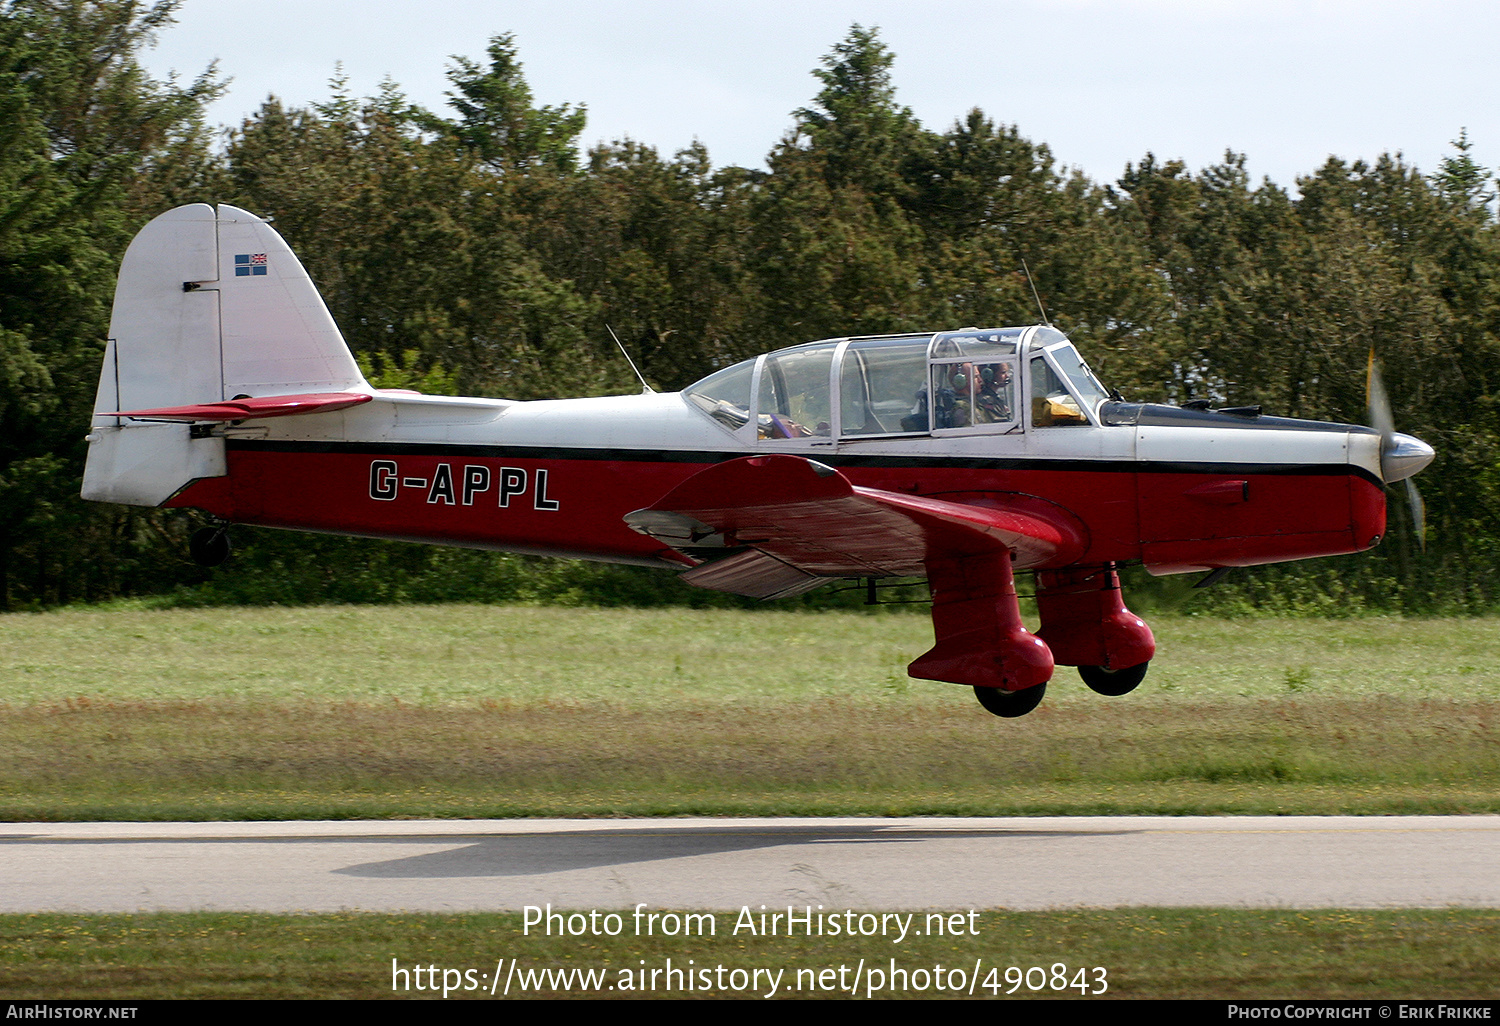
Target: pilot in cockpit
point(992, 400)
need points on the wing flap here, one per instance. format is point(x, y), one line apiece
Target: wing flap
point(753, 573)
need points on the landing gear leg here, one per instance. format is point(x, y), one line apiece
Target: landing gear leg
point(209, 546)
point(1085, 622)
point(980, 639)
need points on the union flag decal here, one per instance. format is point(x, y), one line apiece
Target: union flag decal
point(246, 264)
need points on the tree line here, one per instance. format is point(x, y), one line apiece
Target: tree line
point(481, 250)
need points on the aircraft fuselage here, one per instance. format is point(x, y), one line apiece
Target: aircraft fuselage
point(557, 477)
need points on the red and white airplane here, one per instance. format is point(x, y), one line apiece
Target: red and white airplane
point(957, 456)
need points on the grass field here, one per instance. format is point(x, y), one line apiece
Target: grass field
point(339, 712)
point(1145, 953)
point(472, 711)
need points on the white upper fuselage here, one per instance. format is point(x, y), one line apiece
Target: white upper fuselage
point(671, 422)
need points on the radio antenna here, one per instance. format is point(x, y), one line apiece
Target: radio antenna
point(645, 388)
point(1038, 298)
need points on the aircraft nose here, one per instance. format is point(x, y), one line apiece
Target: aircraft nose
point(1403, 457)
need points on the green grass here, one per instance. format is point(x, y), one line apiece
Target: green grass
point(1147, 953)
point(341, 712)
point(436, 655)
point(468, 711)
point(229, 760)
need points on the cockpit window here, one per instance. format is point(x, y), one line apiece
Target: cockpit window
point(991, 344)
point(972, 382)
point(795, 399)
point(725, 395)
point(880, 387)
point(973, 394)
point(966, 381)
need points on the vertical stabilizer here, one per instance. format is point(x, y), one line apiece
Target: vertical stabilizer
point(211, 304)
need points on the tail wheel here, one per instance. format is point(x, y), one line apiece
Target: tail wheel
point(1113, 682)
point(1010, 703)
point(209, 546)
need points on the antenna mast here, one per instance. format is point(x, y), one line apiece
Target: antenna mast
point(645, 388)
point(1038, 298)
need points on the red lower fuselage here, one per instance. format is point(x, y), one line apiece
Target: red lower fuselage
point(571, 502)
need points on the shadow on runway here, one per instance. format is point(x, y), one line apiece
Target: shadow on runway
point(533, 854)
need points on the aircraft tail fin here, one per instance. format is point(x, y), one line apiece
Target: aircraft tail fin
point(211, 306)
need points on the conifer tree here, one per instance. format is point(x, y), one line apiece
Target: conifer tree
point(81, 123)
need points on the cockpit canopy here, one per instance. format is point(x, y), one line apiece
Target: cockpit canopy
point(968, 381)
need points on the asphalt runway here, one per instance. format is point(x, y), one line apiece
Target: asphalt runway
point(1256, 862)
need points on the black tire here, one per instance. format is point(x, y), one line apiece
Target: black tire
point(1010, 703)
point(209, 546)
point(1113, 682)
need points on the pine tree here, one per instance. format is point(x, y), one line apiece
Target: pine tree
point(81, 125)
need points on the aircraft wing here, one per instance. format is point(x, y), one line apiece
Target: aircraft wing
point(771, 526)
point(250, 408)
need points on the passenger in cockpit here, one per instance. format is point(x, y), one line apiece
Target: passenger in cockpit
point(959, 413)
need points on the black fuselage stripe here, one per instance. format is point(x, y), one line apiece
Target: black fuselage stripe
point(453, 450)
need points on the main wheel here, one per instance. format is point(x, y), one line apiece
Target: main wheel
point(209, 546)
point(1010, 703)
point(1113, 682)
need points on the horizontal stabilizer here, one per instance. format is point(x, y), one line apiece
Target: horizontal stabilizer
point(251, 408)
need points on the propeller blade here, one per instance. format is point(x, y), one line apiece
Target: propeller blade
point(1401, 456)
point(1378, 402)
point(1418, 513)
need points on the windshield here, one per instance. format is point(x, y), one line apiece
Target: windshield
point(725, 395)
point(1078, 374)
